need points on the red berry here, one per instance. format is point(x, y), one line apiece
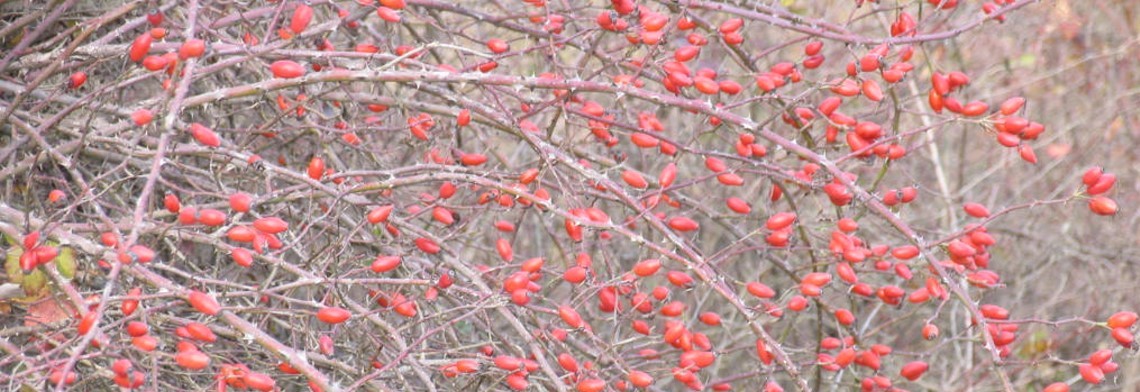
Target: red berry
point(302, 15)
point(912, 371)
point(507, 362)
point(240, 202)
point(463, 118)
point(385, 263)
point(205, 135)
point(570, 317)
point(287, 69)
point(131, 302)
point(56, 195)
point(780, 220)
point(683, 224)
point(208, 216)
point(976, 210)
point(731, 25)
point(76, 80)
point(844, 316)
point(929, 331)
point(738, 205)
point(472, 159)
point(498, 46)
point(203, 303)
point(140, 47)
point(427, 245)
point(667, 175)
point(316, 168)
point(87, 322)
point(242, 257)
point(1122, 320)
point(1124, 337)
point(1102, 205)
point(155, 17)
point(333, 315)
point(1091, 374)
point(141, 253)
point(121, 366)
point(192, 360)
point(710, 318)
point(60, 376)
point(271, 225)
point(380, 214)
point(156, 63)
point(145, 343)
point(647, 267)
point(905, 252)
point(259, 381)
point(634, 179)
point(201, 332)
point(1092, 176)
point(192, 48)
point(388, 15)
point(1102, 184)
point(1100, 357)
point(142, 116)
point(760, 290)
point(591, 385)
point(1011, 105)
point(137, 328)
point(575, 274)
point(241, 233)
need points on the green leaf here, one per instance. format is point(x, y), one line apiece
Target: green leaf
point(12, 265)
point(65, 262)
point(35, 283)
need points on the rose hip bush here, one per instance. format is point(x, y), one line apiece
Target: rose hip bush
point(565, 195)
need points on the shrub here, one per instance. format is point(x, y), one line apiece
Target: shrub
point(574, 195)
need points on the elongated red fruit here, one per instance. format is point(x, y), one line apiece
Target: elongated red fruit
point(142, 117)
point(316, 168)
point(570, 316)
point(394, 4)
point(385, 263)
point(780, 220)
point(333, 315)
point(912, 371)
point(976, 210)
point(668, 175)
point(192, 360)
point(380, 214)
point(76, 80)
point(1123, 319)
point(203, 302)
point(463, 118)
point(287, 69)
point(1102, 205)
point(140, 47)
point(192, 48)
point(302, 15)
point(634, 179)
point(205, 135)
point(683, 224)
point(271, 225)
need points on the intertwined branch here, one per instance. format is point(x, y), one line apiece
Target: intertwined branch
point(563, 125)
